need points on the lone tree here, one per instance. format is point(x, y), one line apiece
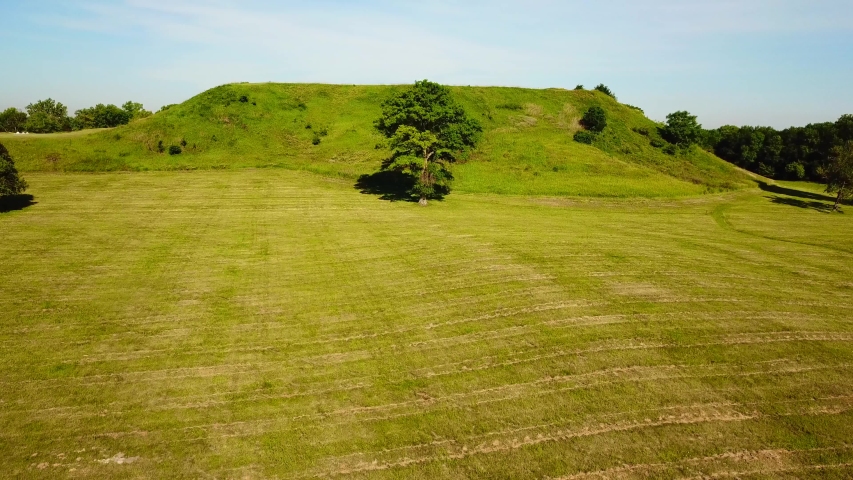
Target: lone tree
point(427, 130)
point(10, 182)
point(838, 173)
point(682, 129)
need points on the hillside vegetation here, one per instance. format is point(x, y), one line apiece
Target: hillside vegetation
point(527, 147)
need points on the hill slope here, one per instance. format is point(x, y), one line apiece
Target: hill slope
point(527, 146)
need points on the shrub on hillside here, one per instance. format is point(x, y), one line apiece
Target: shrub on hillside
point(316, 139)
point(657, 143)
point(584, 137)
point(175, 150)
point(594, 119)
point(642, 131)
point(670, 149)
point(244, 99)
point(579, 87)
point(605, 90)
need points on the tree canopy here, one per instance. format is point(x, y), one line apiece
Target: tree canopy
point(682, 129)
point(838, 172)
point(101, 116)
point(13, 120)
point(10, 182)
point(47, 116)
point(427, 130)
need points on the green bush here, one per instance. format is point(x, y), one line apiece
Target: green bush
point(244, 99)
point(657, 143)
point(605, 90)
point(579, 87)
point(796, 171)
point(642, 131)
point(315, 140)
point(594, 119)
point(584, 137)
point(160, 147)
point(175, 150)
point(670, 149)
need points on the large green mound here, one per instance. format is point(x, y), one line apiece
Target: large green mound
point(527, 147)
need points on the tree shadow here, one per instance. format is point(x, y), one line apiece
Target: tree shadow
point(388, 184)
point(15, 202)
point(794, 193)
point(794, 202)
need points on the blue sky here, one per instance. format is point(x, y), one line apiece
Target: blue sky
point(767, 62)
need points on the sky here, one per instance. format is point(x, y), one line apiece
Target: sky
point(747, 62)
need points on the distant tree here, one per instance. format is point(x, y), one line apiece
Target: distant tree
point(605, 90)
point(10, 182)
point(682, 129)
point(166, 107)
point(427, 130)
point(13, 120)
point(838, 173)
point(135, 110)
point(101, 116)
point(47, 116)
point(594, 119)
point(579, 87)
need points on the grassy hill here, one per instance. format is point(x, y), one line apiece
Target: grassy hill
point(527, 147)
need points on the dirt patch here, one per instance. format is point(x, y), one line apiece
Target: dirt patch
point(118, 459)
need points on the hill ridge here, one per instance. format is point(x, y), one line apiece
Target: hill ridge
point(328, 129)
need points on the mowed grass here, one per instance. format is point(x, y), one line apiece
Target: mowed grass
point(279, 324)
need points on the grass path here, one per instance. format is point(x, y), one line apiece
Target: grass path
point(277, 324)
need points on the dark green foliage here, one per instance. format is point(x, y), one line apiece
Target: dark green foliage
point(13, 120)
point(682, 129)
point(10, 182)
point(838, 172)
point(174, 150)
point(101, 116)
point(243, 99)
point(427, 130)
point(316, 139)
point(183, 142)
point(48, 116)
point(584, 137)
point(160, 147)
point(642, 131)
point(795, 171)
point(670, 149)
point(166, 107)
point(807, 148)
point(605, 90)
point(135, 110)
point(594, 119)
point(635, 108)
point(579, 87)
point(657, 143)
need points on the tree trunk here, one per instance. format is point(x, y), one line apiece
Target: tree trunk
point(838, 199)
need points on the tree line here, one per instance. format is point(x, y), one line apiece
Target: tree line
point(50, 116)
point(795, 153)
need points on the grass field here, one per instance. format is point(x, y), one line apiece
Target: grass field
point(274, 323)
